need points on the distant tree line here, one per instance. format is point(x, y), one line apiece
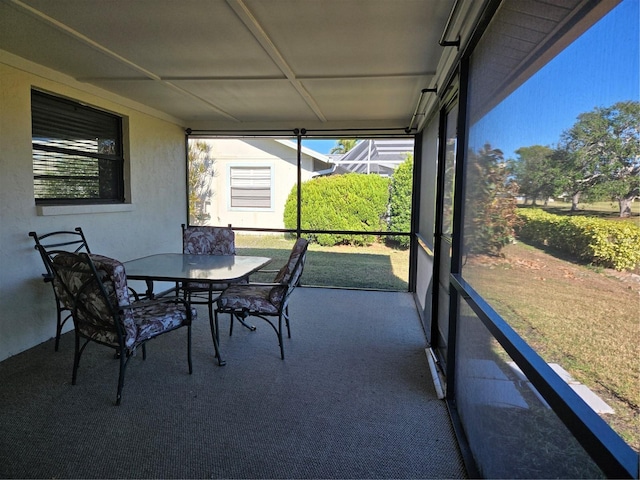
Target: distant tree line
point(597, 158)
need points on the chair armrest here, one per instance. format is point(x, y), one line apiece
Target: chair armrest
point(135, 294)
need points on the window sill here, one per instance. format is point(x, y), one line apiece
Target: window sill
point(47, 210)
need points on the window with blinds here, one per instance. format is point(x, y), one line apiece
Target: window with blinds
point(77, 153)
point(250, 187)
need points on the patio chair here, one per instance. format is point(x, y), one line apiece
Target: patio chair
point(94, 288)
point(71, 241)
point(265, 300)
point(206, 240)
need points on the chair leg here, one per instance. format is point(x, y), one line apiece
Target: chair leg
point(286, 319)
point(124, 358)
point(279, 332)
point(241, 317)
point(58, 327)
point(213, 323)
point(76, 359)
point(189, 349)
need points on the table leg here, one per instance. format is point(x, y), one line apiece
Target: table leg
point(213, 323)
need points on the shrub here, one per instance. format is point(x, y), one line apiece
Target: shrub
point(400, 201)
point(594, 240)
point(340, 202)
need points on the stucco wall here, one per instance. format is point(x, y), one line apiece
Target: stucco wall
point(150, 223)
point(268, 152)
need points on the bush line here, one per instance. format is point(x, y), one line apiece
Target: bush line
point(593, 240)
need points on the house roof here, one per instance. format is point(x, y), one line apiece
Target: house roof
point(308, 151)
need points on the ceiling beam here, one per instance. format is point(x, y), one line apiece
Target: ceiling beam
point(246, 17)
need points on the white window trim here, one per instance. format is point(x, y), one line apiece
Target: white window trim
point(47, 210)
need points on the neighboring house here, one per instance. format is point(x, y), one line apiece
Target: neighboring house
point(373, 155)
point(253, 178)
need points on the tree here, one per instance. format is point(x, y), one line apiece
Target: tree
point(536, 172)
point(600, 154)
point(201, 172)
point(490, 205)
point(400, 200)
point(344, 145)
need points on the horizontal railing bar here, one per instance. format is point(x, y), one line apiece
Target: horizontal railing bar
point(424, 245)
point(311, 232)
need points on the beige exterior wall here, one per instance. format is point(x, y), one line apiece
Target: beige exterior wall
point(254, 152)
point(149, 222)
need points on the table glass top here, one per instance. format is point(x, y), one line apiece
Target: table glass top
point(178, 266)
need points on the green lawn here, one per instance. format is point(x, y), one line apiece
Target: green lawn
point(584, 319)
point(373, 267)
point(609, 210)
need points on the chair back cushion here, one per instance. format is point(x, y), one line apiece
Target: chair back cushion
point(288, 270)
point(94, 288)
point(289, 275)
point(208, 241)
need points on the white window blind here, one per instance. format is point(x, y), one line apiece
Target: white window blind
point(250, 187)
point(77, 152)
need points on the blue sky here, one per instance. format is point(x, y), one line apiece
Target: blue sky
point(320, 146)
point(599, 69)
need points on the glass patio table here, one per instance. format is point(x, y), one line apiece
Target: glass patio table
point(182, 267)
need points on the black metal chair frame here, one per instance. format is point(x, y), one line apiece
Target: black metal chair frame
point(123, 353)
point(77, 245)
point(283, 310)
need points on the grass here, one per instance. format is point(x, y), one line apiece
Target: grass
point(374, 267)
point(608, 210)
point(583, 319)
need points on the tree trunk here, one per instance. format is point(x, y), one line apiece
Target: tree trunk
point(625, 206)
point(575, 198)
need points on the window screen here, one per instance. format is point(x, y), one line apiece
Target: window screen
point(77, 152)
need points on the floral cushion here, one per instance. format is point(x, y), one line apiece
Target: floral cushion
point(95, 318)
point(252, 298)
point(94, 315)
point(209, 241)
point(285, 273)
point(267, 299)
point(152, 320)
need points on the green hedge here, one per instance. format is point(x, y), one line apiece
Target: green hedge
point(341, 202)
point(594, 240)
point(400, 201)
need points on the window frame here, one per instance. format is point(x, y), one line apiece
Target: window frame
point(108, 168)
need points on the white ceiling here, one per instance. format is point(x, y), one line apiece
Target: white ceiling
point(241, 63)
